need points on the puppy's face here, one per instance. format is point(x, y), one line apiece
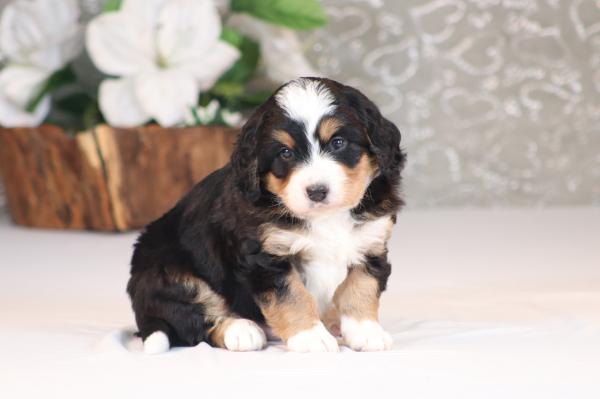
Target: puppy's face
point(325, 168)
point(315, 146)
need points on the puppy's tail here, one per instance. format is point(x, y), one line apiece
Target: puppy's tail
point(157, 342)
point(155, 334)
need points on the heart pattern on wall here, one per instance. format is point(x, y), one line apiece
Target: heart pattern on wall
point(470, 81)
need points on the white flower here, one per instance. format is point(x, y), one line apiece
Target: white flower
point(41, 33)
point(233, 119)
point(209, 113)
point(206, 115)
point(164, 53)
point(18, 84)
point(37, 37)
point(202, 115)
point(282, 57)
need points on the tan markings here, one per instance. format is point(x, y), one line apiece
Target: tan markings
point(357, 180)
point(357, 297)
point(292, 312)
point(281, 242)
point(214, 305)
point(285, 138)
point(328, 127)
point(217, 332)
point(276, 185)
point(216, 311)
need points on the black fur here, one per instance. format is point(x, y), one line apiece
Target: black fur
point(212, 232)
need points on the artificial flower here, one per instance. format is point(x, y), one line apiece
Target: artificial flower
point(162, 53)
point(37, 38)
point(231, 118)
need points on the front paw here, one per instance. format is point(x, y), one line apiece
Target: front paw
point(315, 339)
point(244, 335)
point(365, 335)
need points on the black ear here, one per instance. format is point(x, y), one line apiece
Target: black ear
point(384, 139)
point(244, 159)
point(384, 136)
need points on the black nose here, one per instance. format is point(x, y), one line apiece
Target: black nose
point(317, 192)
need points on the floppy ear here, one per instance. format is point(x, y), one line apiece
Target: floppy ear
point(384, 138)
point(244, 159)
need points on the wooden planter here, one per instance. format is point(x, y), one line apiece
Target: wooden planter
point(107, 178)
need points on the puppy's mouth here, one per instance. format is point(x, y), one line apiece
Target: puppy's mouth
point(316, 209)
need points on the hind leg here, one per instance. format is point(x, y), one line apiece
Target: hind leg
point(185, 312)
point(171, 324)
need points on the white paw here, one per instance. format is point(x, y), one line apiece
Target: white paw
point(365, 335)
point(156, 343)
point(315, 339)
point(244, 335)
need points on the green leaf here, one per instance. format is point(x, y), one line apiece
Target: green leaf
point(227, 89)
point(232, 36)
point(244, 68)
point(74, 104)
point(295, 14)
point(112, 5)
point(58, 79)
point(78, 108)
point(91, 115)
point(256, 98)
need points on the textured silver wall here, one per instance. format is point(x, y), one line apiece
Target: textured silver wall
point(498, 100)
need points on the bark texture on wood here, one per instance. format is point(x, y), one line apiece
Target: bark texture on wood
point(105, 179)
point(51, 182)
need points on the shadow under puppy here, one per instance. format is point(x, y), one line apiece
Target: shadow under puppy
point(289, 237)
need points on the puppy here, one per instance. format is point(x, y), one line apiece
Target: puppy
point(289, 237)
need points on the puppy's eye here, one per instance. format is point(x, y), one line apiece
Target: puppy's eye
point(338, 143)
point(286, 154)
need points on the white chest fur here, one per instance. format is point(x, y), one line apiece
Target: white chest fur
point(328, 247)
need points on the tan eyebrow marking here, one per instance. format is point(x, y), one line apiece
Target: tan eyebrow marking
point(285, 138)
point(328, 127)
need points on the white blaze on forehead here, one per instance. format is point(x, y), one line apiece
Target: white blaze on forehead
point(306, 101)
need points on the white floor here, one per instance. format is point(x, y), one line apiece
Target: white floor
point(482, 304)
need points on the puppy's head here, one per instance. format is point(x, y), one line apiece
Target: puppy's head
point(316, 145)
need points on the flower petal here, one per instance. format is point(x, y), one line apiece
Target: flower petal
point(19, 84)
point(119, 104)
point(56, 15)
point(119, 44)
point(207, 114)
point(56, 56)
point(44, 33)
point(144, 11)
point(12, 115)
point(232, 119)
point(207, 68)
point(282, 57)
point(165, 95)
point(188, 28)
point(19, 31)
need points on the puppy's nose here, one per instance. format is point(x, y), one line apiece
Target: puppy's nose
point(317, 192)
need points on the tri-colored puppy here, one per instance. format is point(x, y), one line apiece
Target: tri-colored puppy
point(289, 237)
